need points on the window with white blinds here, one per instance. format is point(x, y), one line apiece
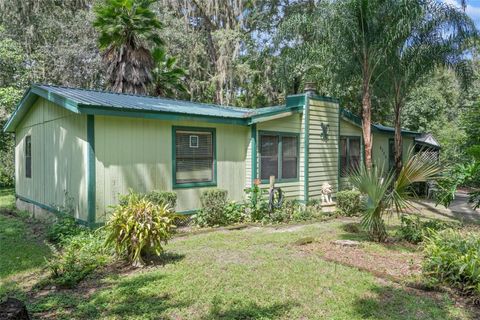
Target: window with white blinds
point(194, 156)
point(278, 156)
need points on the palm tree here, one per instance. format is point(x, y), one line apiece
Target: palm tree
point(387, 193)
point(168, 79)
point(127, 30)
point(418, 46)
point(359, 36)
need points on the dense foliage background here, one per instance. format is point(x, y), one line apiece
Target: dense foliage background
point(238, 52)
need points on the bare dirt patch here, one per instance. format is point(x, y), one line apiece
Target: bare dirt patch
point(391, 264)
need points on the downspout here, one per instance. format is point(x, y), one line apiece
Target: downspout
point(253, 138)
point(91, 175)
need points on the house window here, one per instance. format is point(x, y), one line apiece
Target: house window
point(349, 155)
point(194, 157)
point(28, 156)
point(278, 156)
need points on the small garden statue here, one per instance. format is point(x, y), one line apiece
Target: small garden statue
point(326, 193)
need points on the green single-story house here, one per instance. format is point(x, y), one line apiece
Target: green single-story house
point(80, 149)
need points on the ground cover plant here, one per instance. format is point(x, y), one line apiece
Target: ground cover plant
point(76, 257)
point(452, 258)
point(413, 229)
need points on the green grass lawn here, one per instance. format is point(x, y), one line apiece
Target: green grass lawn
point(20, 249)
point(253, 273)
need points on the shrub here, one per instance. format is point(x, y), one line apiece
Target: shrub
point(163, 197)
point(212, 213)
point(452, 258)
point(235, 213)
point(292, 210)
point(414, 230)
point(64, 227)
point(256, 204)
point(315, 205)
point(138, 227)
point(78, 256)
point(349, 202)
point(155, 196)
point(295, 211)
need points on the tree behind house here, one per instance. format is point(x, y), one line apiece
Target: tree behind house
point(417, 47)
point(128, 30)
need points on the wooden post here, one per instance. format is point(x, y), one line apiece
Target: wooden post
point(272, 182)
point(270, 193)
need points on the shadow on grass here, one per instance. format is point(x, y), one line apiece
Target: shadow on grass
point(138, 296)
point(388, 302)
point(164, 258)
point(246, 310)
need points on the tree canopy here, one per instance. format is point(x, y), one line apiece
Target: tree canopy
point(246, 53)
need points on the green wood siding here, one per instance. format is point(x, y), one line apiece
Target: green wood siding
point(381, 152)
point(292, 124)
point(59, 153)
point(323, 154)
point(137, 154)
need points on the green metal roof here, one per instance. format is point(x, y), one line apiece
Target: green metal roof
point(348, 115)
point(83, 101)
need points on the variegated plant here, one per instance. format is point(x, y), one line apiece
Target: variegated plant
point(139, 226)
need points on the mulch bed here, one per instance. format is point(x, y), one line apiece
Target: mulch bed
point(391, 264)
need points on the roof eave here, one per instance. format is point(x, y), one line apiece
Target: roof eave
point(159, 115)
point(276, 114)
point(29, 98)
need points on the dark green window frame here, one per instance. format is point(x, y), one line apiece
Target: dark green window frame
point(345, 173)
point(28, 156)
point(211, 183)
point(279, 135)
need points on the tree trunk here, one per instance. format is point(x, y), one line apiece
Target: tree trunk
point(367, 122)
point(398, 130)
point(398, 139)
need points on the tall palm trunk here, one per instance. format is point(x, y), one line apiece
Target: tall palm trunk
point(398, 129)
point(367, 120)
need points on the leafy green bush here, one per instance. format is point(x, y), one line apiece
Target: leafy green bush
point(64, 227)
point(78, 256)
point(293, 210)
point(415, 230)
point(155, 196)
point(163, 197)
point(138, 226)
point(235, 213)
point(349, 202)
point(256, 203)
point(452, 258)
point(212, 213)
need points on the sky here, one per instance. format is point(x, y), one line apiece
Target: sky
point(473, 9)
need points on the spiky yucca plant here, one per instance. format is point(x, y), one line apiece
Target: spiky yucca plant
point(386, 194)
